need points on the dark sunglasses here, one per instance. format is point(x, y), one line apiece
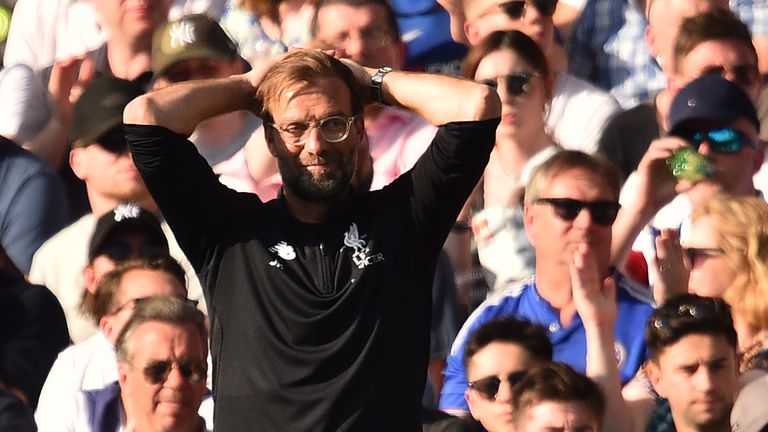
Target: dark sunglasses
point(704, 308)
point(516, 83)
point(113, 141)
point(120, 251)
point(723, 140)
point(602, 212)
point(745, 75)
point(516, 9)
point(488, 387)
point(694, 255)
point(192, 370)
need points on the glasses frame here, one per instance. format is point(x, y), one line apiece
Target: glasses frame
point(564, 209)
point(732, 145)
point(494, 383)
point(515, 9)
point(516, 83)
point(295, 142)
point(156, 371)
point(703, 308)
point(691, 253)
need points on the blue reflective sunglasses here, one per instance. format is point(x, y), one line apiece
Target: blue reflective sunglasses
point(724, 140)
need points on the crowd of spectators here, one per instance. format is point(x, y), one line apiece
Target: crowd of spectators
point(383, 215)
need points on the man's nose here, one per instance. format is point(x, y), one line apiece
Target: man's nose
point(315, 142)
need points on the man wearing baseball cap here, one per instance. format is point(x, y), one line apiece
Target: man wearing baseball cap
point(717, 119)
point(100, 158)
point(195, 47)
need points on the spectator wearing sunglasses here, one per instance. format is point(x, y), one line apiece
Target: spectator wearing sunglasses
point(554, 397)
point(498, 355)
point(92, 365)
point(693, 361)
point(715, 118)
point(99, 156)
point(514, 65)
point(711, 42)
point(578, 111)
point(572, 199)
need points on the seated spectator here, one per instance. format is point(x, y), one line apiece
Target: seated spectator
point(693, 361)
point(512, 63)
point(162, 371)
point(715, 118)
point(578, 111)
point(707, 43)
point(99, 156)
point(498, 354)
point(571, 199)
point(92, 364)
point(226, 141)
point(33, 330)
point(554, 397)
point(33, 204)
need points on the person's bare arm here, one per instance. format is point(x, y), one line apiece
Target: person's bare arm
point(438, 98)
point(656, 186)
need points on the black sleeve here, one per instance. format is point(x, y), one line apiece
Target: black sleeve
point(185, 188)
point(445, 175)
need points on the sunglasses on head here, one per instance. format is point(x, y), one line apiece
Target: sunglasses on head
point(705, 308)
point(121, 251)
point(192, 370)
point(516, 9)
point(113, 141)
point(602, 212)
point(744, 75)
point(516, 83)
point(723, 140)
point(488, 387)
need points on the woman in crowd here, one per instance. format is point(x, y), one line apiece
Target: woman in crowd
point(728, 257)
point(514, 64)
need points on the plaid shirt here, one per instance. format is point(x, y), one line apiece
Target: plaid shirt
point(607, 48)
point(754, 13)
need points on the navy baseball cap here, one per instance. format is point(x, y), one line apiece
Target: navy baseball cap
point(710, 97)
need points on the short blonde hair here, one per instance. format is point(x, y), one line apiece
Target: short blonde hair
point(566, 160)
point(742, 233)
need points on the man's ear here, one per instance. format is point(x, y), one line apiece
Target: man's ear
point(650, 41)
point(89, 278)
point(122, 374)
point(269, 139)
point(78, 162)
point(654, 375)
point(472, 32)
point(106, 327)
point(528, 222)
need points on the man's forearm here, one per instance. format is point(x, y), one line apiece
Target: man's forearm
point(183, 106)
point(440, 98)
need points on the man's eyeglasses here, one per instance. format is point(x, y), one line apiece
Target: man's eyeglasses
point(724, 140)
point(516, 83)
point(745, 75)
point(702, 308)
point(516, 9)
point(488, 387)
point(192, 370)
point(121, 251)
point(567, 209)
point(695, 255)
point(333, 129)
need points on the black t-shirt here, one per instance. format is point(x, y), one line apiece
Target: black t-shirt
point(316, 327)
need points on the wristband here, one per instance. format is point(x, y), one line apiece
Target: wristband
point(376, 82)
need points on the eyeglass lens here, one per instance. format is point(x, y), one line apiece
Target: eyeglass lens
point(724, 140)
point(516, 83)
point(489, 387)
point(516, 9)
point(602, 212)
point(192, 370)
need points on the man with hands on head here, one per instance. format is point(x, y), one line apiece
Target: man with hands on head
point(309, 330)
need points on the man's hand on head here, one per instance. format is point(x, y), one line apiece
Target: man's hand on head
point(656, 184)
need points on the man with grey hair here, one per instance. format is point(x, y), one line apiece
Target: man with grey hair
point(162, 366)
